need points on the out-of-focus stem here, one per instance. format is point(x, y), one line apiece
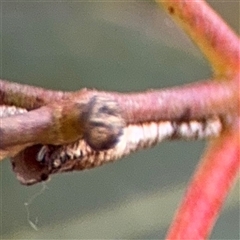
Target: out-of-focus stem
point(214, 37)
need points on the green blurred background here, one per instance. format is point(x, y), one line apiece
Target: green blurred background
point(121, 46)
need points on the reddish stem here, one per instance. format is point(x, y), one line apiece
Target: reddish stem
point(192, 101)
point(208, 189)
point(26, 96)
point(209, 31)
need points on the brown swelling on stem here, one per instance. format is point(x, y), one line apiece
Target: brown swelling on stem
point(103, 123)
point(99, 121)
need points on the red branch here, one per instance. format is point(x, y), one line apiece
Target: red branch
point(210, 32)
point(190, 101)
point(208, 188)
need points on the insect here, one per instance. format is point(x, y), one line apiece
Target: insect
point(134, 137)
point(85, 129)
point(81, 155)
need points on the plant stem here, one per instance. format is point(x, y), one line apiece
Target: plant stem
point(210, 32)
point(209, 187)
point(192, 101)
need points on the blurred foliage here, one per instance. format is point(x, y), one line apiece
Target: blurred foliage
point(121, 46)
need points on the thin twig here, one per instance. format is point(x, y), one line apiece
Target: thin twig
point(210, 32)
point(190, 101)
